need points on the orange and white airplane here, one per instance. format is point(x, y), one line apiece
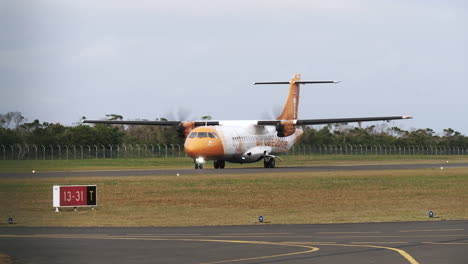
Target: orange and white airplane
point(247, 141)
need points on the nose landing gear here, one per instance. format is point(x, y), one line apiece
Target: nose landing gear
point(199, 163)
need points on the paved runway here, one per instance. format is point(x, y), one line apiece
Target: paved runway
point(113, 173)
point(402, 242)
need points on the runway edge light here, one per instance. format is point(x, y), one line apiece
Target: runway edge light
point(431, 214)
point(10, 220)
point(260, 219)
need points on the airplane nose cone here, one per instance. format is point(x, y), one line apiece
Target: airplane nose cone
point(208, 148)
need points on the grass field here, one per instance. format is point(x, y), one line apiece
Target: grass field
point(159, 163)
point(296, 198)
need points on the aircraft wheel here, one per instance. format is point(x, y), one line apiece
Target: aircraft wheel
point(196, 166)
point(272, 163)
point(200, 166)
point(217, 164)
point(222, 164)
point(266, 163)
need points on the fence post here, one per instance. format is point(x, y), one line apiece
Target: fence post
point(52, 152)
point(125, 149)
point(27, 149)
point(66, 147)
point(60, 152)
point(81, 149)
point(4, 152)
point(166, 149)
point(178, 146)
point(118, 151)
point(131, 147)
point(19, 151)
point(110, 147)
point(152, 150)
point(138, 147)
point(96, 150)
point(172, 147)
point(146, 150)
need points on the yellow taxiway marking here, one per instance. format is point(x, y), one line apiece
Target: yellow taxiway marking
point(420, 236)
point(379, 242)
point(376, 232)
point(110, 237)
point(311, 249)
point(403, 253)
point(431, 230)
point(254, 234)
point(445, 243)
point(164, 234)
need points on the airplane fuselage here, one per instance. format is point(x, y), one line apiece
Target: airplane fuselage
point(238, 142)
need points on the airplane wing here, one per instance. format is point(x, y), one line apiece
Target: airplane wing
point(183, 127)
point(151, 123)
point(332, 121)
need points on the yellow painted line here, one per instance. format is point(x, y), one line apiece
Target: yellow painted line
point(403, 253)
point(311, 243)
point(312, 249)
point(108, 237)
point(255, 234)
point(421, 236)
point(431, 230)
point(379, 242)
point(445, 243)
point(164, 234)
point(348, 232)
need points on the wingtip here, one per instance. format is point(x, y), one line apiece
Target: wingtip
point(407, 117)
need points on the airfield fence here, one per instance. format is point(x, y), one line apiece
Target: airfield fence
point(134, 151)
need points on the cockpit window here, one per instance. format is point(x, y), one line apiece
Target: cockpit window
point(202, 134)
point(212, 135)
point(193, 134)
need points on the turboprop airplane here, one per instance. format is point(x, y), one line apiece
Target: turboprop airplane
point(247, 141)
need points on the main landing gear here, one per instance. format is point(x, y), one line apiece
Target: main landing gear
point(219, 164)
point(198, 166)
point(269, 162)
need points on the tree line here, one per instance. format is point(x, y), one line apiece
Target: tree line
point(15, 130)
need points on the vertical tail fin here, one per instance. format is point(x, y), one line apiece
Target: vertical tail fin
point(291, 107)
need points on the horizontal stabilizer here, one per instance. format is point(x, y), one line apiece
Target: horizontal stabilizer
point(298, 82)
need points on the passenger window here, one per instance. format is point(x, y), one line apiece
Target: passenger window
point(193, 134)
point(202, 134)
point(212, 135)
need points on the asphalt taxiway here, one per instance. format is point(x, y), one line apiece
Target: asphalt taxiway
point(400, 242)
point(159, 172)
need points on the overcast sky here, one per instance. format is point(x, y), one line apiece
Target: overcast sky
point(64, 59)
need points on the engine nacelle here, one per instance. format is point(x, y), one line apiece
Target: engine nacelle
point(285, 128)
point(185, 128)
